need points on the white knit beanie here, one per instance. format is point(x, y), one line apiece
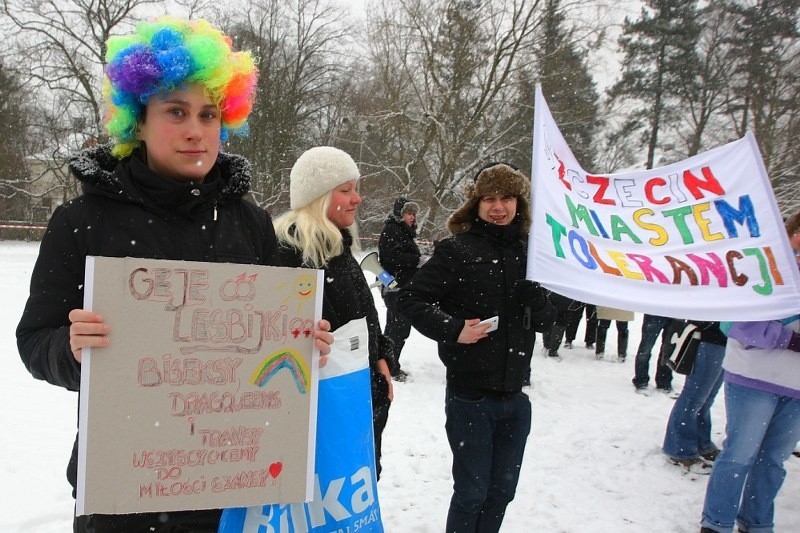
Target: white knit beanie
point(318, 171)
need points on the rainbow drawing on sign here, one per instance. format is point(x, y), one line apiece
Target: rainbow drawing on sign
point(275, 363)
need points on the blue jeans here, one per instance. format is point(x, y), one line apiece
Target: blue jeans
point(487, 437)
point(763, 430)
point(688, 433)
point(652, 327)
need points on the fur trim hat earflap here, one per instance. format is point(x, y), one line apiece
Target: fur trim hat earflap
point(494, 178)
point(410, 207)
point(318, 171)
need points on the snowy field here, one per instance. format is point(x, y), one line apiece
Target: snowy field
point(593, 461)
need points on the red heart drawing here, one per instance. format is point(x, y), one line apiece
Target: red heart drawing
point(275, 469)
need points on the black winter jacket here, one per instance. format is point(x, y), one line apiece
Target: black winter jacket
point(346, 296)
point(397, 251)
point(128, 210)
point(474, 275)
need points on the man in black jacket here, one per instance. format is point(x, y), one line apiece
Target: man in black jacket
point(475, 274)
point(400, 256)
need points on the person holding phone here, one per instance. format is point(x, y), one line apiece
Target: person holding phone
point(475, 274)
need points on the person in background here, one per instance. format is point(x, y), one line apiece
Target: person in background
point(573, 320)
point(604, 317)
point(551, 338)
point(161, 190)
point(318, 232)
point(687, 441)
point(652, 327)
point(475, 274)
point(591, 326)
point(762, 407)
point(400, 256)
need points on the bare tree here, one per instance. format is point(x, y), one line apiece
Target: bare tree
point(443, 73)
point(298, 55)
point(61, 46)
point(705, 94)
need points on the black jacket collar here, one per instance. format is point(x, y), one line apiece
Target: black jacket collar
point(130, 179)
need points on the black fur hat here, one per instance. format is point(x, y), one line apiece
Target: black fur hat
point(494, 178)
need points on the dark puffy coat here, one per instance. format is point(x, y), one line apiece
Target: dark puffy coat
point(563, 306)
point(474, 275)
point(128, 210)
point(397, 251)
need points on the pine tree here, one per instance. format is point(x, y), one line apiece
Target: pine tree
point(659, 63)
point(560, 67)
point(765, 86)
point(567, 84)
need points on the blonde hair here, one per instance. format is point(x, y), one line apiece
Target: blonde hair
point(308, 229)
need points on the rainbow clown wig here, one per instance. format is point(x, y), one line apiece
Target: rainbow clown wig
point(165, 55)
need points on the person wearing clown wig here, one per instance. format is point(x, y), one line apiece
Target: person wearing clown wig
point(161, 189)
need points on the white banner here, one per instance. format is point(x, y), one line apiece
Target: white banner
point(701, 239)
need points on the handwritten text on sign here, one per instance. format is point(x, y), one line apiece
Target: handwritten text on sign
point(205, 395)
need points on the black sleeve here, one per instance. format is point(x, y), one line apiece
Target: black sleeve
point(419, 300)
point(56, 289)
point(542, 317)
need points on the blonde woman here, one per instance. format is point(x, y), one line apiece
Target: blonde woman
point(318, 232)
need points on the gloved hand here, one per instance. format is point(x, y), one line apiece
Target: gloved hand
point(794, 342)
point(531, 293)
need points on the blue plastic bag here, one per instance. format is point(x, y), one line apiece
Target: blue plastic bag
point(345, 484)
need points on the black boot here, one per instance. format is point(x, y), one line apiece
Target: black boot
point(553, 341)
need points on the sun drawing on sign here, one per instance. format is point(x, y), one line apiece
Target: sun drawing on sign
point(301, 289)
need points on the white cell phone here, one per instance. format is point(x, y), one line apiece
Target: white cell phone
point(492, 323)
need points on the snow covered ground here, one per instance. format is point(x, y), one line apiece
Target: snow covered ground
point(593, 461)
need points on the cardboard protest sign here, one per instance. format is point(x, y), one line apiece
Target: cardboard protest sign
point(700, 239)
point(206, 396)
